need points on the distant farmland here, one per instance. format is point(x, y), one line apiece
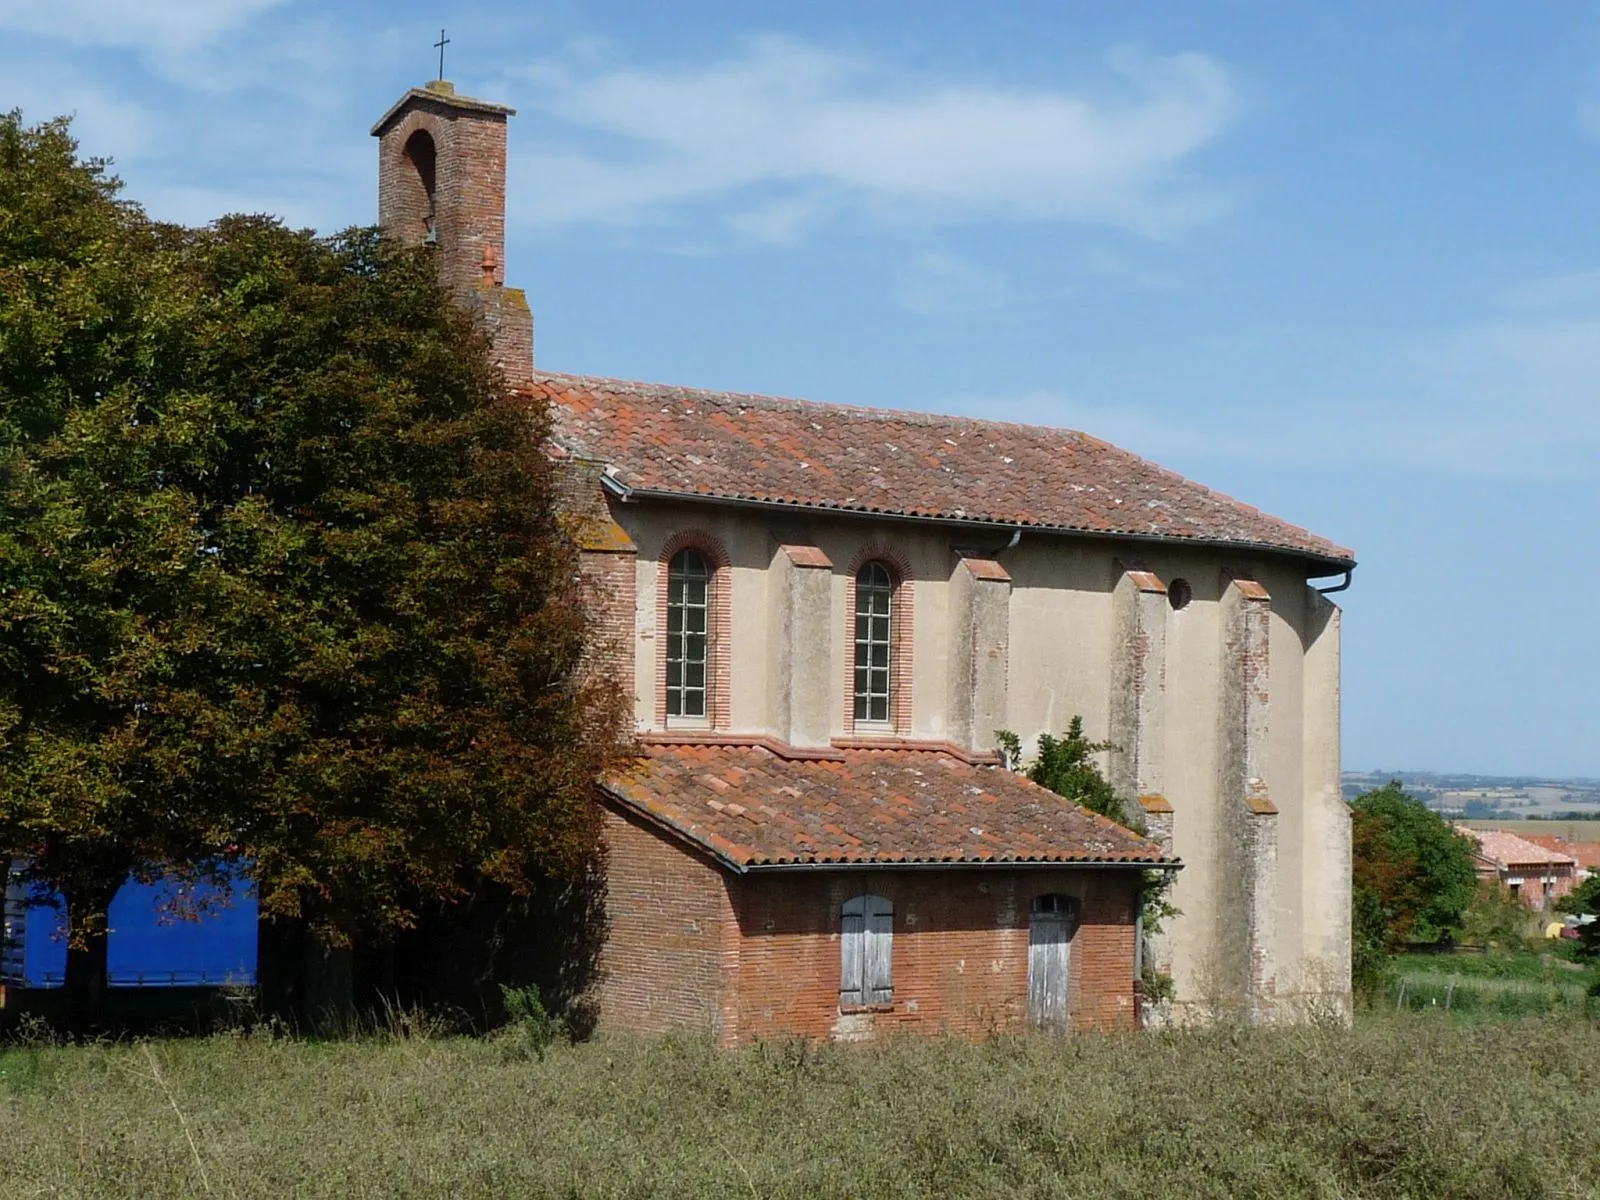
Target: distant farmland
point(1483, 797)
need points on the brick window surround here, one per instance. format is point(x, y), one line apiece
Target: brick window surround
point(901, 615)
point(719, 626)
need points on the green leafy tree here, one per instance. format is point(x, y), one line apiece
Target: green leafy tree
point(1371, 954)
point(1584, 900)
point(281, 574)
point(1497, 918)
point(1419, 869)
point(1066, 766)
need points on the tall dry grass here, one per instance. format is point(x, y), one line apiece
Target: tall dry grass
point(1404, 1105)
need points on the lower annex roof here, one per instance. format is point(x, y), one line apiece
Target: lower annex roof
point(752, 808)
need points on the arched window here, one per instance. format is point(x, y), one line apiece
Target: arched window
point(874, 642)
point(866, 952)
point(688, 633)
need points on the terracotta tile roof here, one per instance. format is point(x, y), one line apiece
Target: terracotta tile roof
point(1508, 850)
point(753, 808)
point(1586, 854)
point(680, 441)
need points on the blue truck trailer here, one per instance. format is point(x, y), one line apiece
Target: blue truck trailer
point(166, 934)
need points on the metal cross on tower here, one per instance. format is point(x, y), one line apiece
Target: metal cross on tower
point(439, 46)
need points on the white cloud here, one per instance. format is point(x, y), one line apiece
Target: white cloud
point(107, 123)
point(160, 25)
point(939, 285)
point(1577, 289)
point(788, 131)
point(1509, 396)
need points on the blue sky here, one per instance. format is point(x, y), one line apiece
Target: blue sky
point(1342, 262)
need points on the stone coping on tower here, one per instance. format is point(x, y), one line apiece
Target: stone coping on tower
point(440, 91)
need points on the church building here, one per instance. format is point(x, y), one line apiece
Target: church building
point(825, 613)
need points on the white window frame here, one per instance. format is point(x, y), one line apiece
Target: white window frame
point(864, 696)
point(680, 693)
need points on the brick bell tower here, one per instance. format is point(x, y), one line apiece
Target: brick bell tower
point(442, 183)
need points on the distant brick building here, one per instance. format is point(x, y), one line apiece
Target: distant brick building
point(824, 614)
point(1586, 853)
point(1534, 874)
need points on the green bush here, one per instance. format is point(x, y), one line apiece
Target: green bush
point(1371, 961)
point(1585, 899)
point(1497, 918)
point(1420, 868)
point(530, 1027)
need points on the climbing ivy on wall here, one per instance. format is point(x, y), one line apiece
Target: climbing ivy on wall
point(1066, 766)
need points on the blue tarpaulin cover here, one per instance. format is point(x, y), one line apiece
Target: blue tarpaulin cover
point(165, 934)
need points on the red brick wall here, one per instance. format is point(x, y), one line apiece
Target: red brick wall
point(469, 187)
point(671, 946)
point(758, 956)
point(960, 950)
point(610, 582)
point(469, 203)
point(1533, 891)
point(607, 570)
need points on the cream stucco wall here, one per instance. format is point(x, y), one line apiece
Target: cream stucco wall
point(1063, 643)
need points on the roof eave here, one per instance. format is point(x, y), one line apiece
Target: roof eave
point(447, 99)
point(949, 864)
point(744, 867)
point(683, 834)
point(1333, 565)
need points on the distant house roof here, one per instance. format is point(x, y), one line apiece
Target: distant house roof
point(1587, 854)
point(753, 808)
point(1506, 850)
point(682, 442)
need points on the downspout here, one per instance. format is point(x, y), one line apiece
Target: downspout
point(1138, 936)
point(1349, 572)
point(1016, 536)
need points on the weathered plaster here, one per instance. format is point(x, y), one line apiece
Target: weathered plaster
point(1227, 710)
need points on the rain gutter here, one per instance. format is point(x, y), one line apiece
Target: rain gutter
point(632, 495)
point(1166, 864)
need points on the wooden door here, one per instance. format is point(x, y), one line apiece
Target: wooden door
point(1050, 928)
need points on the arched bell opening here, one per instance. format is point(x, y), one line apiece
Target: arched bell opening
point(420, 156)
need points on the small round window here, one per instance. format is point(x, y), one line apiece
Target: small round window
point(1179, 593)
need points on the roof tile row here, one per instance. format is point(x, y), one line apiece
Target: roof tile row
point(723, 445)
point(753, 808)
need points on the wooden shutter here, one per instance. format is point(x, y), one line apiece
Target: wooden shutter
point(880, 950)
point(852, 954)
point(866, 952)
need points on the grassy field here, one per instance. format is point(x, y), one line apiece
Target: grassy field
point(1536, 982)
point(1404, 1105)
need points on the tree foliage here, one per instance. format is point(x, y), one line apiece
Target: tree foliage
point(281, 575)
point(1066, 766)
point(1584, 900)
point(1497, 918)
point(1407, 857)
